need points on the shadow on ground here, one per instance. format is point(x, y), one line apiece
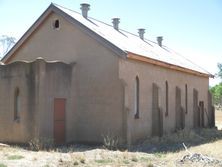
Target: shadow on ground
point(174, 142)
point(168, 143)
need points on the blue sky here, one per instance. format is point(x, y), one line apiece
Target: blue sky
point(191, 27)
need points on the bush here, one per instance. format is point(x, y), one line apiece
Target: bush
point(41, 144)
point(110, 141)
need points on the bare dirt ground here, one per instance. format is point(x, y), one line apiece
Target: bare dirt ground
point(218, 120)
point(149, 153)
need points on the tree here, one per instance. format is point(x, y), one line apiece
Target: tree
point(6, 43)
point(217, 94)
point(219, 74)
point(217, 89)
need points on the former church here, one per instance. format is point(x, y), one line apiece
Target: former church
point(72, 78)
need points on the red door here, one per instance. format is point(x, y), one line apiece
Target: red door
point(59, 120)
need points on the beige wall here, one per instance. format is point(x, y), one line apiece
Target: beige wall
point(22, 76)
point(38, 83)
point(96, 92)
point(149, 74)
point(99, 85)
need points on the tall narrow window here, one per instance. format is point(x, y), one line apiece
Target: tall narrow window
point(167, 94)
point(16, 104)
point(186, 106)
point(137, 97)
point(56, 24)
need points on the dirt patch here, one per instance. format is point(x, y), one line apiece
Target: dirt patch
point(218, 119)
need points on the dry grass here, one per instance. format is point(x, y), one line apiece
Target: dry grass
point(218, 120)
point(148, 154)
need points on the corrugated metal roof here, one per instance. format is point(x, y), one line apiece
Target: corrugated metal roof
point(132, 43)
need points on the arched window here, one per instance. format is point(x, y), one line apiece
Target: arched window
point(16, 104)
point(56, 24)
point(167, 97)
point(137, 97)
point(186, 99)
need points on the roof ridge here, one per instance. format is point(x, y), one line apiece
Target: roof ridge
point(119, 44)
point(123, 30)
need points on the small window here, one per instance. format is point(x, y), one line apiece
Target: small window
point(137, 96)
point(56, 24)
point(186, 105)
point(16, 104)
point(167, 94)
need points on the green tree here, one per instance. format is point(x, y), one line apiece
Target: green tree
point(217, 94)
point(219, 74)
point(217, 89)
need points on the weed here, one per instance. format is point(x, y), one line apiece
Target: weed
point(46, 165)
point(75, 163)
point(110, 141)
point(144, 158)
point(3, 165)
point(34, 159)
point(160, 154)
point(126, 162)
point(40, 144)
point(15, 157)
point(103, 161)
point(79, 158)
point(82, 160)
point(134, 159)
point(150, 164)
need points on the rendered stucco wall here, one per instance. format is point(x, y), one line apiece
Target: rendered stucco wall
point(149, 74)
point(100, 87)
point(21, 76)
point(96, 93)
point(38, 83)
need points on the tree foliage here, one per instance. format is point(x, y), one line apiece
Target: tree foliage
point(6, 43)
point(217, 94)
point(219, 74)
point(217, 89)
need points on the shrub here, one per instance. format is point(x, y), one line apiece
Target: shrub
point(15, 157)
point(110, 141)
point(41, 144)
point(2, 165)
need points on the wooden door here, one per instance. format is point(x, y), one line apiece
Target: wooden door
point(59, 120)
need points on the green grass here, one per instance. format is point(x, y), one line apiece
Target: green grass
point(126, 162)
point(2, 165)
point(134, 159)
point(15, 157)
point(46, 165)
point(160, 154)
point(145, 159)
point(103, 161)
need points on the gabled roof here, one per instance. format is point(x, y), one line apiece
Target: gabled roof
point(121, 42)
